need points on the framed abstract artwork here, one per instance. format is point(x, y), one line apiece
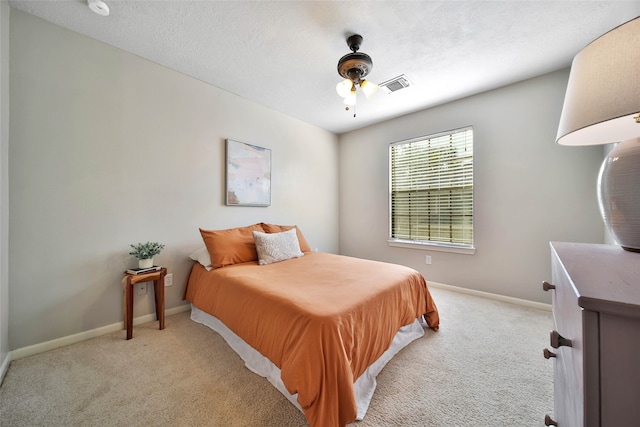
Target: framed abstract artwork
point(248, 174)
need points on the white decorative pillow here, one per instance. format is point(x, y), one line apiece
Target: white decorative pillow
point(276, 247)
point(202, 256)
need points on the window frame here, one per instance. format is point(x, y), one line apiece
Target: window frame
point(427, 244)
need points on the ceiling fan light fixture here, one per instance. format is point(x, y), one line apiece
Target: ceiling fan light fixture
point(369, 88)
point(354, 67)
point(350, 99)
point(344, 87)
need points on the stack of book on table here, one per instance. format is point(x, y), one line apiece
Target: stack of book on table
point(137, 271)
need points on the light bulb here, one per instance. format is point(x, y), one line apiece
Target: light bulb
point(344, 87)
point(368, 88)
point(350, 99)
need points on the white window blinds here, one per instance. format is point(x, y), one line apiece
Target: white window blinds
point(432, 189)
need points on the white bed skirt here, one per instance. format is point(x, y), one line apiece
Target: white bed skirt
point(364, 386)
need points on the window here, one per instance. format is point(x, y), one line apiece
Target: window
point(431, 194)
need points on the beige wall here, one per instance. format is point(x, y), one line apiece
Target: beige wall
point(527, 190)
point(4, 187)
point(108, 149)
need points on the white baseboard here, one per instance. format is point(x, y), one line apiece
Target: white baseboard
point(5, 366)
point(82, 336)
point(523, 302)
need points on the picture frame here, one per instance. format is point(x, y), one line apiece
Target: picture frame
point(248, 174)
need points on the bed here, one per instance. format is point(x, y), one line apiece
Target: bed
point(321, 321)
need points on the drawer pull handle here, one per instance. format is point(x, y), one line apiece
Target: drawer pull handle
point(549, 422)
point(546, 286)
point(548, 354)
point(558, 340)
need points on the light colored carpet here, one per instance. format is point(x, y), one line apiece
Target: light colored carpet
point(484, 367)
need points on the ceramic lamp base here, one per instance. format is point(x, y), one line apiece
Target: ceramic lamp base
point(619, 193)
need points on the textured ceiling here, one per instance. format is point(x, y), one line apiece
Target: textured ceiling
point(283, 54)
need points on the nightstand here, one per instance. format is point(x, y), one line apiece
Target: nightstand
point(129, 280)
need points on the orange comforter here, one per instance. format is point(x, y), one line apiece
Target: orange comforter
point(322, 319)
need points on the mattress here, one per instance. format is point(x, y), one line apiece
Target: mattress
point(321, 319)
point(365, 385)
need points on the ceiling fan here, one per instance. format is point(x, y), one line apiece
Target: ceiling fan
point(354, 67)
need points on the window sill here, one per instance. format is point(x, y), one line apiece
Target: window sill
point(431, 247)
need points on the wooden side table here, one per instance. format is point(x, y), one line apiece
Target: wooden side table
point(127, 292)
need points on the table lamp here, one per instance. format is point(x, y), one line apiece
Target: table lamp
point(602, 106)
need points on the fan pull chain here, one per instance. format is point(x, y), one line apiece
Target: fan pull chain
point(354, 109)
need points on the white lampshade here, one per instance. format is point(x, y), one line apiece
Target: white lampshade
point(603, 96)
point(368, 88)
point(603, 92)
point(344, 87)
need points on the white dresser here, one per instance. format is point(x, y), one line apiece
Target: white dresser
point(595, 344)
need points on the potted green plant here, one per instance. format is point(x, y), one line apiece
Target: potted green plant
point(145, 252)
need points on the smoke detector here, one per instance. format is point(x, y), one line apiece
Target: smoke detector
point(99, 7)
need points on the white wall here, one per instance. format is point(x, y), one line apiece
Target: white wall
point(527, 190)
point(108, 149)
point(4, 187)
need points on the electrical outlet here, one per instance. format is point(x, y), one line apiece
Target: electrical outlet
point(142, 289)
point(428, 259)
point(168, 279)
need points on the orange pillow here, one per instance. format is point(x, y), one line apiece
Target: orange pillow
point(272, 228)
point(231, 246)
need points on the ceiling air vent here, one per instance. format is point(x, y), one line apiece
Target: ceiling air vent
point(395, 83)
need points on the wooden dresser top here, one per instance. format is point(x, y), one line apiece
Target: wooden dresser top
point(605, 277)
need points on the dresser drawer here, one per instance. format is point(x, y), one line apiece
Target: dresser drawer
point(568, 387)
point(620, 370)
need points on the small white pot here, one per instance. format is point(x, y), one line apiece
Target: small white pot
point(145, 263)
